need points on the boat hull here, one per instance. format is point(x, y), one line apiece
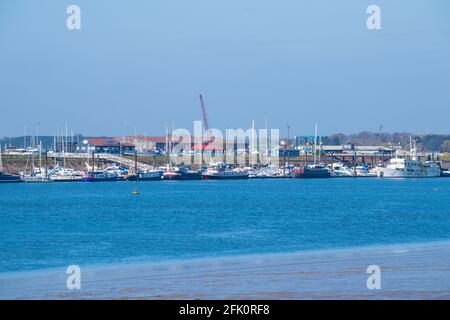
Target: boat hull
point(154, 176)
point(87, 179)
point(308, 173)
point(393, 173)
point(183, 176)
point(67, 180)
point(224, 177)
point(10, 179)
point(99, 177)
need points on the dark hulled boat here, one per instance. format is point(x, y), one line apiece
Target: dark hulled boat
point(224, 175)
point(152, 175)
point(224, 172)
point(182, 173)
point(4, 177)
point(99, 176)
point(307, 172)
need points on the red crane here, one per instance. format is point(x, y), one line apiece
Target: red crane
point(205, 119)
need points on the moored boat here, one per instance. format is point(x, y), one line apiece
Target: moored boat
point(149, 175)
point(37, 175)
point(5, 178)
point(312, 171)
point(363, 170)
point(338, 169)
point(182, 173)
point(59, 174)
point(224, 175)
point(405, 168)
point(409, 168)
point(99, 176)
point(219, 171)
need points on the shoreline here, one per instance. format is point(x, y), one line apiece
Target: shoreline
point(409, 271)
point(227, 257)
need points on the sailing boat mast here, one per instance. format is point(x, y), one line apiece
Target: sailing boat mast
point(171, 145)
point(315, 145)
point(1, 161)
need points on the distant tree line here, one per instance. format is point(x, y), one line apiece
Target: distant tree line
point(425, 142)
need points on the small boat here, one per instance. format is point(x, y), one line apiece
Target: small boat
point(339, 170)
point(224, 172)
point(311, 171)
point(149, 175)
point(59, 174)
point(5, 178)
point(182, 173)
point(99, 176)
point(363, 170)
point(269, 172)
point(36, 176)
point(120, 172)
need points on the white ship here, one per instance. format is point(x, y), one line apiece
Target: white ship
point(409, 168)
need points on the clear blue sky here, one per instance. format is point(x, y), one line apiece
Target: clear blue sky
point(137, 64)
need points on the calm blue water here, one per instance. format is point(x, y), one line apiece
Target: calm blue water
point(52, 225)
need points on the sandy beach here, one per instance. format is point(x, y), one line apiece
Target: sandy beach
point(419, 271)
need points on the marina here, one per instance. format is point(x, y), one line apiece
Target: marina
point(395, 168)
point(101, 164)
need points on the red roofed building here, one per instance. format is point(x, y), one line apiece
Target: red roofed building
point(106, 145)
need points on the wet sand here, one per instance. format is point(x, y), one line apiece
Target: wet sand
point(416, 271)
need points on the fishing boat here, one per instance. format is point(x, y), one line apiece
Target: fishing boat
point(148, 175)
point(224, 175)
point(224, 172)
point(99, 176)
point(311, 171)
point(182, 173)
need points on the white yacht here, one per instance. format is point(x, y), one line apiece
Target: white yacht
point(338, 169)
point(404, 168)
point(409, 168)
point(363, 170)
point(36, 175)
point(59, 174)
